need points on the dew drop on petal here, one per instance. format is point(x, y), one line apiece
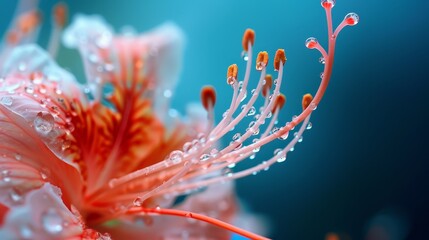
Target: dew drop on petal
point(43, 123)
point(6, 100)
point(52, 221)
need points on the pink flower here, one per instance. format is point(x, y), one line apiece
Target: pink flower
point(109, 158)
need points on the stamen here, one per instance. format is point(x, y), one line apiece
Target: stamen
point(279, 102)
point(27, 22)
point(280, 58)
point(231, 75)
point(208, 97)
point(60, 14)
point(350, 19)
point(248, 37)
point(261, 60)
point(306, 100)
point(327, 4)
point(267, 86)
point(186, 214)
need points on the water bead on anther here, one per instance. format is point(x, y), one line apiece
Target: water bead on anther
point(52, 222)
point(351, 19)
point(327, 3)
point(43, 123)
point(311, 42)
point(7, 101)
point(261, 60)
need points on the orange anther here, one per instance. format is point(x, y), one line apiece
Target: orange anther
point(267, 86)
point(261, 60)
point(280, 57)
point(60, 14)
point(279, 102)
point(306, 100)
point(231, 74)
point(28, 21)
point(208, 97)
point(249, 36)
point(12, 37)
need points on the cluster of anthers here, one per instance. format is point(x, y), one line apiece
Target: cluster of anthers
point(201, 157)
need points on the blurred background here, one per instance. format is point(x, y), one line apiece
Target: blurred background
point(361, 171)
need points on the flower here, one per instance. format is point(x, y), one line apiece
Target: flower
point(99, 160)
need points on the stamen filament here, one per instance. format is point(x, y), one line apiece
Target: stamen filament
point(200, 217)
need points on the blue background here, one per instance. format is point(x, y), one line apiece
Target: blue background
point(364, 164)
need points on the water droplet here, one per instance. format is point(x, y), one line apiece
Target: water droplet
point(327, 3)
point(291, 149)
point(137, 202)
point(25, 231)
point(322, 74)
point(244, 92)
point(309, 126)
point(18, 157)
point(322, 60)
point(253, 91)
point(187, 146)
point(284, 136)
point(15, 196)
point(43, 123)
point(300, 139)
point(236, 136)
point(204, 157)
point(52, 221)
point(29, 89)
point(175, 157)
point(311, 42)
point(167, 93)
point(93, 58)
point(252, 156)
point(232, 165)
point(231, 80)
point(274, 130)
point(351, 19)
point(214, 152)
point(313, 106)
point(244, 55)
point(260, 65)
point(251, 111)
point(22, 66)
point(7, 100)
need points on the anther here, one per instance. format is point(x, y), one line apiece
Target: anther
point(28, 21)
point(327, 3)
point(231, 75)
point(249, 36)
point(208, 97)
point(60, 14)
point(261, 60)
point(279, 102)
point(351, 19)
point(280, 58)
point(267, 86)
point(306, 100)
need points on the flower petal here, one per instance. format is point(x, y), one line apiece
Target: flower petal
point(42, 216)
